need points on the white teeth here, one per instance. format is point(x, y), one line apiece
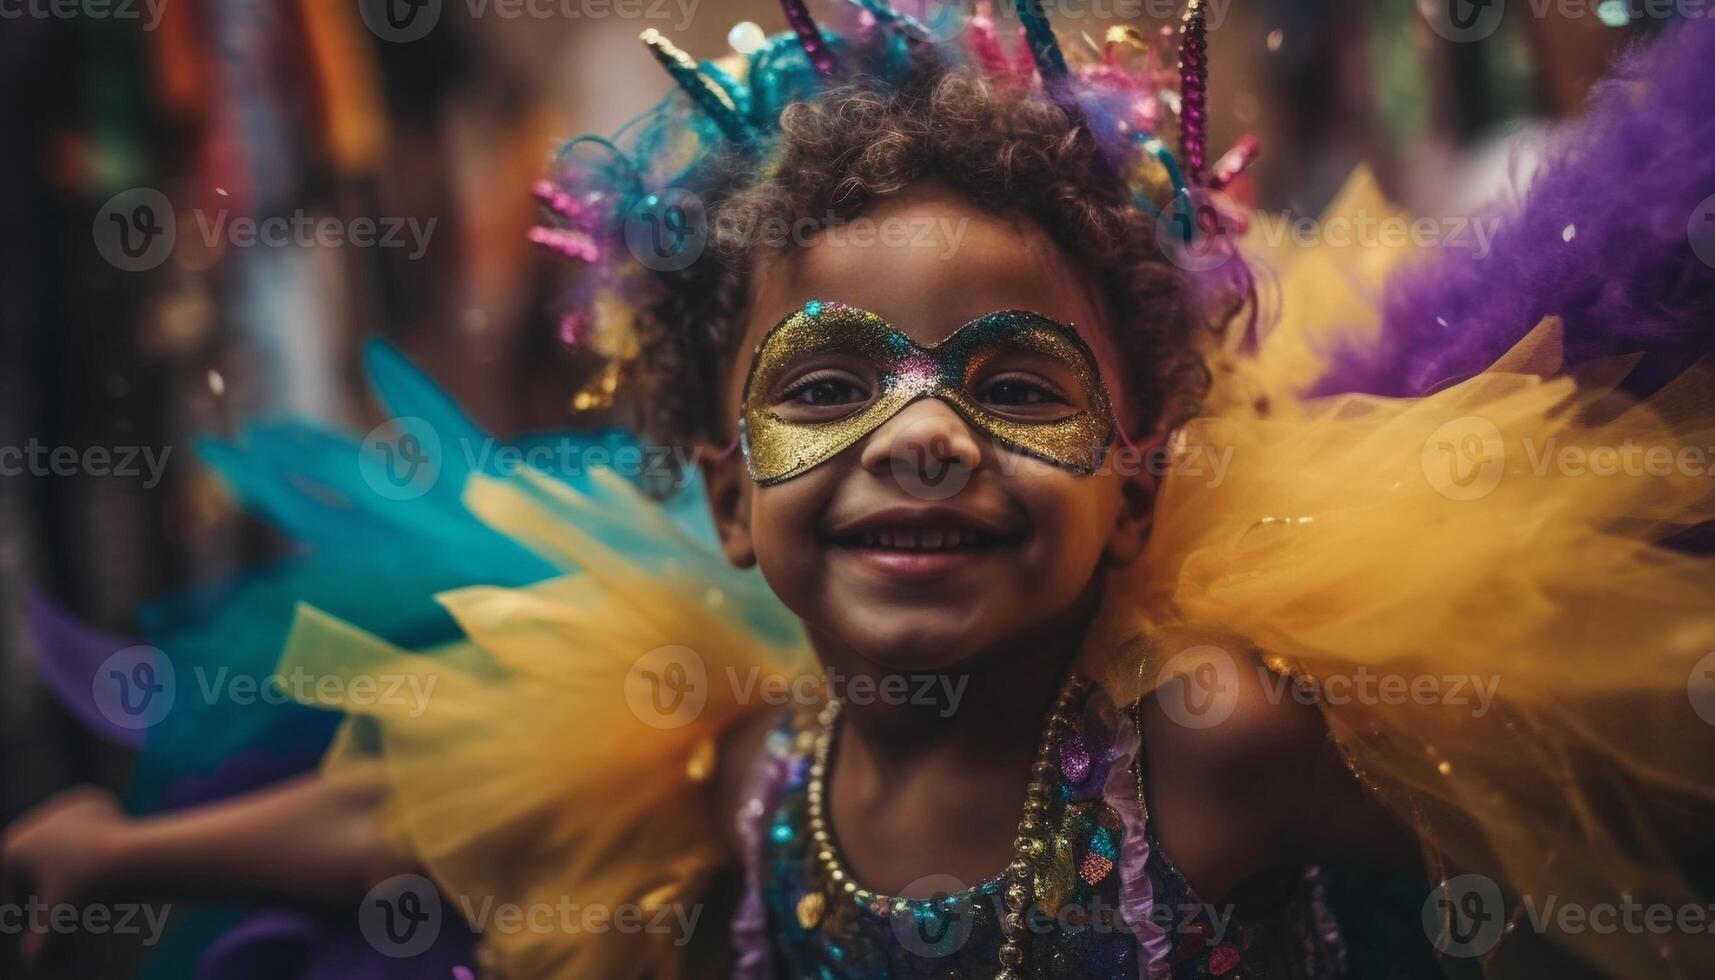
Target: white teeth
point(912, 538)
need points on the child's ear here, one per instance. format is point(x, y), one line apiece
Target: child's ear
point(1136, 512)
point(729, 488)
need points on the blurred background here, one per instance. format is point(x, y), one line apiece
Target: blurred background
point(220, 110)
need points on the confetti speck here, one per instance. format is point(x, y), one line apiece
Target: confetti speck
point(1613, 13)
point(746, 37)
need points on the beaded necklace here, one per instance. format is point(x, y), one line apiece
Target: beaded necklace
point(1027, 848)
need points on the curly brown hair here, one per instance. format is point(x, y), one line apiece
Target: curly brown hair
point(1006, 149)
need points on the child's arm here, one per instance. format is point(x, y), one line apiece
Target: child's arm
point(739, 749)
point(310, 840)
point(1342, 822)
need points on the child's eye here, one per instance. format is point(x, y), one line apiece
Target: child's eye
point(1018, 391)
point(826, 389)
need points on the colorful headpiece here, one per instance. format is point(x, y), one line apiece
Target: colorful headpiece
point(628, 203)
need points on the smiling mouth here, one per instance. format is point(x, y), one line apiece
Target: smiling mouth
point(930, 538)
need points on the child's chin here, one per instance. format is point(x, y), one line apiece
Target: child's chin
point(905, 647)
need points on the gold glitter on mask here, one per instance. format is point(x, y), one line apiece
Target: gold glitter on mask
point(778, 448)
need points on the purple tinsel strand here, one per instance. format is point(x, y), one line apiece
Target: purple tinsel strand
point(809, 37)
point(1193, 90)
point(1629, 178)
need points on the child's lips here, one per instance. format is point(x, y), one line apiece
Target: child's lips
point(919, 563)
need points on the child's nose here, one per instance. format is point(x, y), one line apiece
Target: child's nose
point(927, 438)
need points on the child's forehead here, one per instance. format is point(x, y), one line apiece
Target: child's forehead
point(928, 263)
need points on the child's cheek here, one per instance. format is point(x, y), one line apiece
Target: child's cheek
point(785, 522)
point(1074, 513)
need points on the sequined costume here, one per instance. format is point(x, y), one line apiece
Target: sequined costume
point(1113, 900)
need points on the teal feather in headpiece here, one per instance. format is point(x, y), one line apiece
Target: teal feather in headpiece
point(736, 90)
point(713, 99)
point(1044, 47)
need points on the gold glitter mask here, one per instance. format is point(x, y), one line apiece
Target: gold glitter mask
point(787, 423)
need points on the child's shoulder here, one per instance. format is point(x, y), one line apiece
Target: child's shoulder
point(1230, 710)
point(738, 752)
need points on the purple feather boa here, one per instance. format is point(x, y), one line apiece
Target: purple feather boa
point(1629, 176)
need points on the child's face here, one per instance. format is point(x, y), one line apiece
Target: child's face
point(871, 546)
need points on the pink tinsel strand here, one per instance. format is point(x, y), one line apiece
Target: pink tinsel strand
point(1141, 108)
point(563, 204)
point(572, 327)
point(1234, 161)
point(809, 36)
point(1024, 59)
point(1109, 74)
point(567, 242)
point(985, 45)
